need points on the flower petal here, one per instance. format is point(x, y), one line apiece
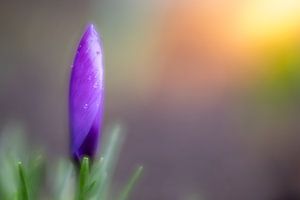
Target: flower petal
point(86, 88)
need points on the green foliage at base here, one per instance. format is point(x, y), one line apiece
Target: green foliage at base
point(26, 176)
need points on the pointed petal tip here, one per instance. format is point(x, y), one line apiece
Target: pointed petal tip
point(90, 27)
point(91, 30)
point(92, 34)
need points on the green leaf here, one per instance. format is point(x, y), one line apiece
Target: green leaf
point(23, 187)
point(36, 172)
point(111, 151)
point(83, 179)
point(63, 183)
point(131, 183)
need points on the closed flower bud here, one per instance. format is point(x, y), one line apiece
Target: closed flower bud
point(86, 96)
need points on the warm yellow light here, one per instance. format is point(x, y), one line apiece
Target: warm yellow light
point(266, 21)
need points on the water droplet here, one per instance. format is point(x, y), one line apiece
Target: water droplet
point(95, 85)
point(98, 52)
point(89, 77)
point(85, 106)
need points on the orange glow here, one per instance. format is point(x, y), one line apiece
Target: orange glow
point(269, 21)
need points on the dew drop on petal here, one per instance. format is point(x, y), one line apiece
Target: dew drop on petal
point(95, 85)
point(85, 106)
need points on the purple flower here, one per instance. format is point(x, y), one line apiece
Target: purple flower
point(86, 95)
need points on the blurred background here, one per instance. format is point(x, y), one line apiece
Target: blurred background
point(209, 90)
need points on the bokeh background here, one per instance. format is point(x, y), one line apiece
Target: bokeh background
point(208, 90)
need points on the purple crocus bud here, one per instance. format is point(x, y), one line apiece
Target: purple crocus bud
point(86, 95)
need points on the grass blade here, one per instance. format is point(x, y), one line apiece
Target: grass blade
point(23, 188)
point(111, 151)
point(131, 183)
point(63, 182)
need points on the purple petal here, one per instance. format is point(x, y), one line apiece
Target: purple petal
point(86, 94)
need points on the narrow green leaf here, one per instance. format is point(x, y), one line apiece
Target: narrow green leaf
point(111, 151)
point(62, 183)
point(90, 188)
point(36, 172)
point(83, 179)
point(23, 190)
point(131, 183)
